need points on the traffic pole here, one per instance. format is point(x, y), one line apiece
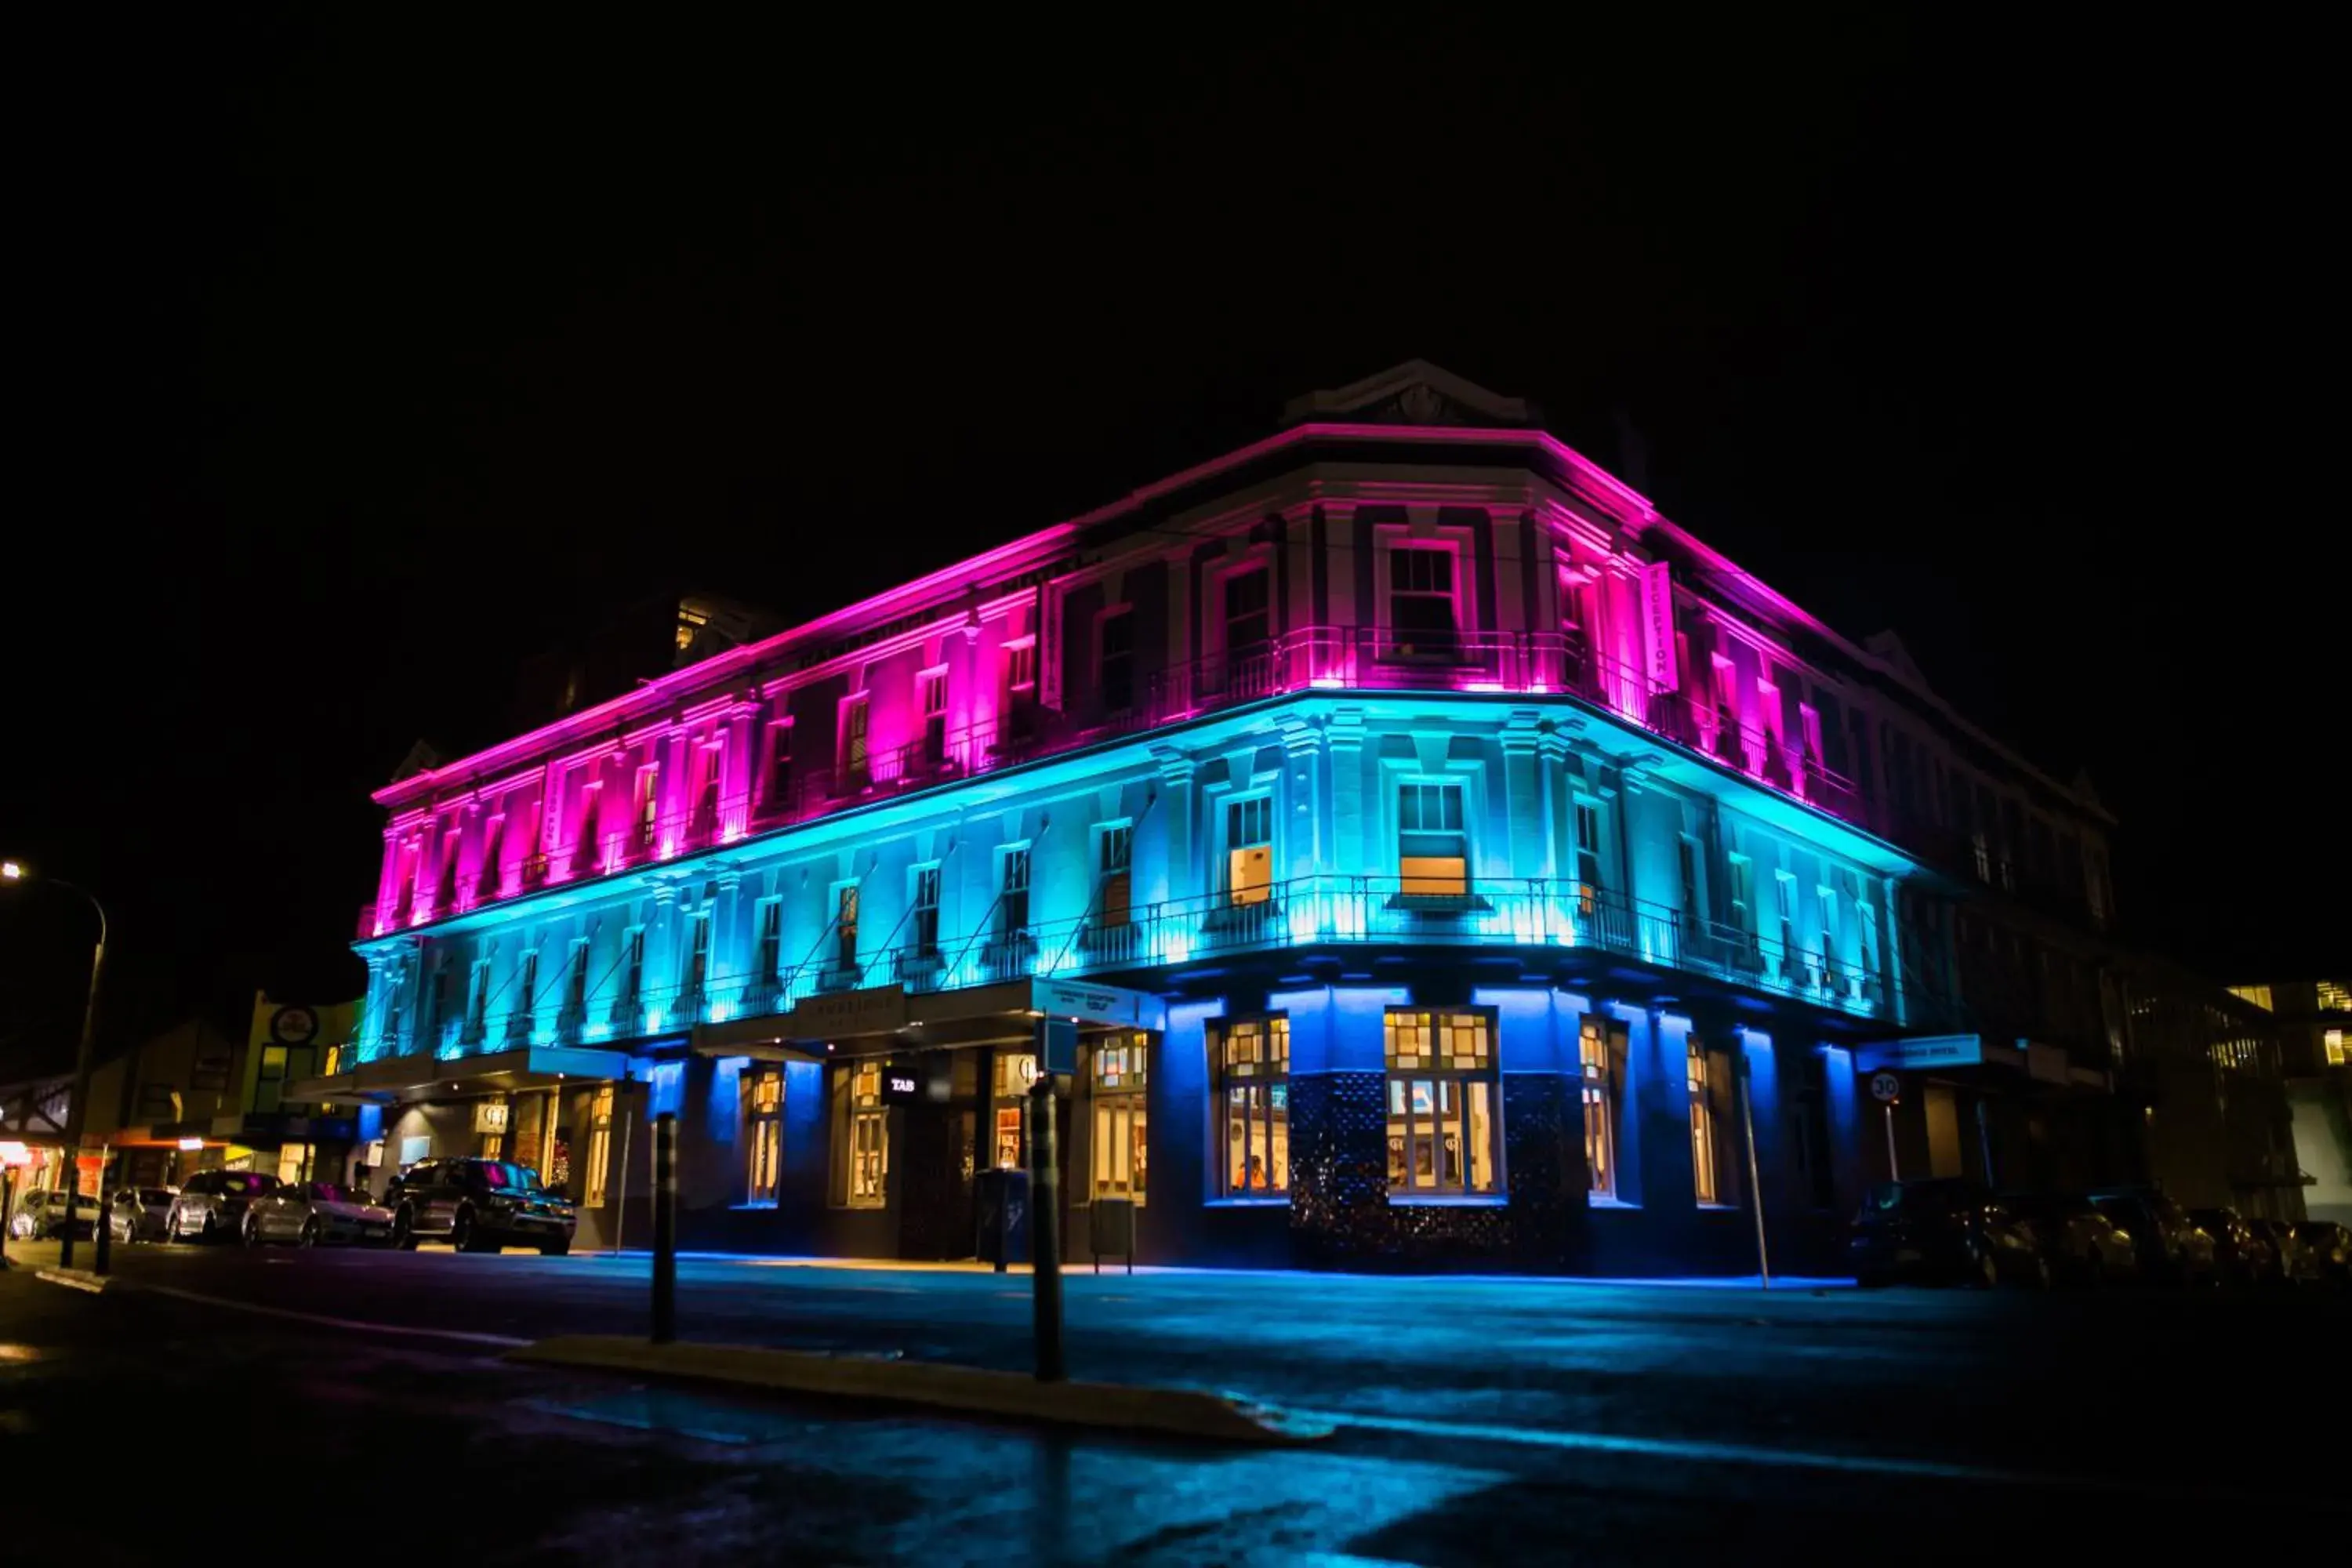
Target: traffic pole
point(7, 1210)
point(1046, 1230)
point(1755, 1184)
point(1893, 1166)
point(102, 1238)
point(665, 1228)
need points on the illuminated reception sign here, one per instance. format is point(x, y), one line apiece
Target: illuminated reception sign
point(1095, 1004)
point(1911, 1056)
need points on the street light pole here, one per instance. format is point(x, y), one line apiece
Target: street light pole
point(78, 1108)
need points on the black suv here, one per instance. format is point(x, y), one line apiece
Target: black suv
point(478, 1206)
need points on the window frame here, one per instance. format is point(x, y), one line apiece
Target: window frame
point(1597, 1072)
point(861, 1155)
point(1260, 1088)
point(1418, 641)
point(1239, 890)
point(1120, 1116)
point(1476, 1094)
point(763, 1134)
point(1419, 872)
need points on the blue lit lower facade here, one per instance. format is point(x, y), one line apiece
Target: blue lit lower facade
point(1418, 981)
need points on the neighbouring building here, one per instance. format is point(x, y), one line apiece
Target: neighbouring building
point(2314, 1028)
point(1452, 863)
point(194, 1098)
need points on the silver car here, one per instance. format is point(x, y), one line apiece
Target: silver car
point(137, 1213)
point(41, 1216)
point(212, 1204)
point(308, 1213)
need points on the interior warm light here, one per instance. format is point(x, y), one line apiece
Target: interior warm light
point(12, 871)
point(190, 1145)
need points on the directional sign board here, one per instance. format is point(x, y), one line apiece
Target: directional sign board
point(1885, 1088)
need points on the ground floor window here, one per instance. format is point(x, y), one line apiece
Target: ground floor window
point(600, 1145)
point(1015, 1073)
point(862, 1136)
point(1600, 1111)
point(1442, 1093)
point(1253, 1061)
point(294, 1163)
point(1119, 1079)
point(763, 1119)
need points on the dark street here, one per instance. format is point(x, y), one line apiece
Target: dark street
point(1810, 1422)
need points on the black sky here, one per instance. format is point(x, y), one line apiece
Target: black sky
point(361, 363)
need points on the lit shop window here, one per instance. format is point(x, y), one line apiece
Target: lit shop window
point(1119, 1076)
point(1253, 1057)
point(862, 1135)
point(1600, 1111)
point(1016, 1073)
point(1442, 1091)
point(293, 1162)
point(2335, 996)
point(763, 1117)
point(1433, 845)
point(1705, 1161)
point(2334, 1039)
point(600, 1144)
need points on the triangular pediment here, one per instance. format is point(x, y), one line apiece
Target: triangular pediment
point(1414, 393)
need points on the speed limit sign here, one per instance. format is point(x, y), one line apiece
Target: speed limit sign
point(1885, 1088)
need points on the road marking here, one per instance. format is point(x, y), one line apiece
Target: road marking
point(460, 1336)
point(1677, 1448)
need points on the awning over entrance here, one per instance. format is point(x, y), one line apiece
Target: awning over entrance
point(390, 1078)
point(884, 1016)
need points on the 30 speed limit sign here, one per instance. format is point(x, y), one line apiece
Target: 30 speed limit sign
point(1885, 1088)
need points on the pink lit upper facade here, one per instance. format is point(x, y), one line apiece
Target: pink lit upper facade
point(1343, 555)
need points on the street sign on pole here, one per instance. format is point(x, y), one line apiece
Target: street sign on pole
point(1885, 1088)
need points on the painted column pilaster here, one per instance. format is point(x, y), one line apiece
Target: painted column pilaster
point(1348, 827)
point(1523, 795)
point(1307, 841)
point(1179, 876)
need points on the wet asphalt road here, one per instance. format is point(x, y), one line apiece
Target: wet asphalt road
point(1476, 1421)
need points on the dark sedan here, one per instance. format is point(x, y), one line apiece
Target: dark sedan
point(2243, 1254)
point(2082, 1245)
point(1947, 1230)
point(137, 1213)
point(2329, 1246)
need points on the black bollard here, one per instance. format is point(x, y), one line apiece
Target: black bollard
point(664, 1228)
point(102, 1240)
point(8, 1208)
point(1045, 1229)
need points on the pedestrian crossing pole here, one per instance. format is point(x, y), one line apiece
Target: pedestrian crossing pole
point(665, 1228)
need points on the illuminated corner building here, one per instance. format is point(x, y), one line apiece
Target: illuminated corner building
point(1459, 859)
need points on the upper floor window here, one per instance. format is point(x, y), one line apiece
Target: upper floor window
point(1422, 617)
point(1442, 1093)
point(1021, 667)
point(1013, 896)
point(1113, 882)
point(1119, 1072)
point(856, 760)
point(1248, 611)
point(575, 978)
point(648, 802)
point(1253, 1062)
point(1114, 661)
point(633, 973)
point(1249, 849)
point(770, 950)
point(923, 908)
point(487, 875)
point(845, 924)
point(776, 780)
point(1432, 844)
point(931, 701)
point(1588, 856)
point(697, 952)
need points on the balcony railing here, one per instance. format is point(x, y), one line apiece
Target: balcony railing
point(1362, 659)
point(1306, 912)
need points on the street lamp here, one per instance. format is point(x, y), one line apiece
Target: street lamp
point(78, 1108)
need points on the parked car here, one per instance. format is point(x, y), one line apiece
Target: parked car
point(2171, 1246)
point(138, 1214)
point(42, 1215)
point(211, 1204)
point(1947, 1229)
point(2084, 1246)
point(479, 1206)
point(2297, 1260)
point(2242, 1255)
point(308, 1213)
point(2329, 1246)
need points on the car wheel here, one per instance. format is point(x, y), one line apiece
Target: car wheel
point(461, 1231)
point(2040, 1279)
point(310, 1237)
point(250, 1234)
point(1984, 1271)
point(404, 1231)
point(211, 1232)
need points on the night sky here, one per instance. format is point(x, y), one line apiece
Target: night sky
point(362, 363)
